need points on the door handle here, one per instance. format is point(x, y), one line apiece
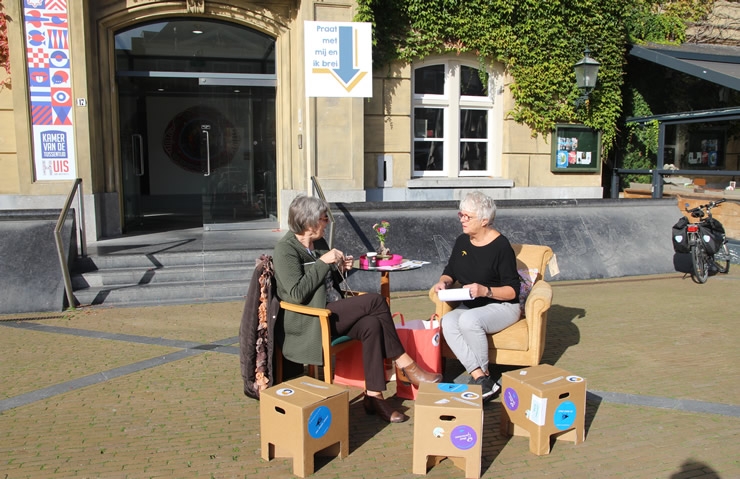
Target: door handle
point(137, 146)
point(204, 132)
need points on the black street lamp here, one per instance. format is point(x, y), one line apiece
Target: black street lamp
point(587, 70)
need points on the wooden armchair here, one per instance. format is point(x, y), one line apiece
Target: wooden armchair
point(522, 343)
point(329, 346)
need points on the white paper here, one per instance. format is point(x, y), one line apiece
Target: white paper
point(553, 266)
point(538, 410)
point(457, 294)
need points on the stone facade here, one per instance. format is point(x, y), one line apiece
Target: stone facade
point(342, 141)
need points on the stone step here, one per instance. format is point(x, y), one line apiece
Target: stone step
point(182, 292)
point(163, 274)
point(138, 279)
point(155, 260)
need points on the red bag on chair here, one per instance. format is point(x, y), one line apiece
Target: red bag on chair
point(421, 340)
point(348, 367)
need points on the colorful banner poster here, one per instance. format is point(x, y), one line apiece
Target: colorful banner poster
point(50, 88)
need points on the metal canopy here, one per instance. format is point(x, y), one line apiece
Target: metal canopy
point(699, 116)
point(718, 64)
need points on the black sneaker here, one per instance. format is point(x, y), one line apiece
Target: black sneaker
point(489, 387)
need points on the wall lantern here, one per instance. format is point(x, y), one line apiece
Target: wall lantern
point(587, 70)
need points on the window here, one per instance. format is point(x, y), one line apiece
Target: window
point(456, 122)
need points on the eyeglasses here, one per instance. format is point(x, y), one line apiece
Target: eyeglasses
point(464, 216)
point(325, 219)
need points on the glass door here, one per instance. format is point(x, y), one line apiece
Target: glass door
point(132, 140)
point(237, 138)
point(197, 125)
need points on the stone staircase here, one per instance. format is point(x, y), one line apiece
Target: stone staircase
point(140, 279)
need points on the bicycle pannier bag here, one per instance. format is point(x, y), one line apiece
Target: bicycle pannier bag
point(680, 237)
point(712, 234)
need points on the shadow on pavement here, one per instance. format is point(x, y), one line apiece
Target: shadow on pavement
point(561, 332)
point(692, 468)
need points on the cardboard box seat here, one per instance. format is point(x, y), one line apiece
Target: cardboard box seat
point(302, 417)
point(543, 402)
point(448, 424)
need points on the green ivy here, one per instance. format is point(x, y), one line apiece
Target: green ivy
point(640, 140)
point(538, 42)
point(664, 21)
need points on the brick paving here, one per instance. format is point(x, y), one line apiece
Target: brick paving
point(156, 392)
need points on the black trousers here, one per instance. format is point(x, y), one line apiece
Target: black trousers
point(368, 319)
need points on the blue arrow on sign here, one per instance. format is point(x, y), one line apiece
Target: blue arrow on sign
point(346, 71)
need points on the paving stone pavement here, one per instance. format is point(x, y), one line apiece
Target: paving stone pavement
point(157, 392)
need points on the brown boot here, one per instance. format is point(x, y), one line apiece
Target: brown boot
point(413, 374)
point(381, 407)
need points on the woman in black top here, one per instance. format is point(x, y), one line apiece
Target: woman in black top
point(482, 261)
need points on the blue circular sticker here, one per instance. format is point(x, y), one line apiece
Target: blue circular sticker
point(452, 387)
point(511, 399)
point(565, 415)
point(463, 437)
point(319, 422)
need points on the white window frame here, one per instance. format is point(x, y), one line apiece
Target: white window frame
point(451, 105)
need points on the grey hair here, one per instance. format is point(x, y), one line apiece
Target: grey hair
point(305, 212)
point(481, 204)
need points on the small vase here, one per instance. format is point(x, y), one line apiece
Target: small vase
point(383, 252)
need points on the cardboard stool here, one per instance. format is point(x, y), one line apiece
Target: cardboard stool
point(543, 402)
point(302, 417)
point(448, 423)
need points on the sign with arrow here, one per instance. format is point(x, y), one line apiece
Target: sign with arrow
point(338, 59)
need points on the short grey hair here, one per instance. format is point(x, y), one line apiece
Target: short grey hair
point(481, 204)
point(305, 212)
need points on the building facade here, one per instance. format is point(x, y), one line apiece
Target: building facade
point(194, 112)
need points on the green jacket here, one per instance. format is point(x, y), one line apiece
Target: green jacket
point(300, 280)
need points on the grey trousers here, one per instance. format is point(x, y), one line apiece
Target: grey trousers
point(465, 330)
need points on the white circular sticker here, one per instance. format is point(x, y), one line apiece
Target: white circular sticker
point(574, 379)
point(435, 340)
point(285, 392)
point(438, 432)
point(469, 395)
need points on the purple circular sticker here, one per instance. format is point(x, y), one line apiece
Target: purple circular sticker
point(463, 437)
point(511, 399)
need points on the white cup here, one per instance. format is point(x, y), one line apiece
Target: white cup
point(371, 258)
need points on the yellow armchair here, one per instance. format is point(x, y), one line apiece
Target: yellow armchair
point(522, 343)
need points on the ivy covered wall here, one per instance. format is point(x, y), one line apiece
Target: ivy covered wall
point(538, 42)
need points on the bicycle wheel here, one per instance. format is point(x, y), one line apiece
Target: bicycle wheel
point(700, 263)
point(722, 259)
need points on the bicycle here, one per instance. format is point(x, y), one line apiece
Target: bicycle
point(705, 240)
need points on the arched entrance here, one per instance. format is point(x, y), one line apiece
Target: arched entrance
point(196, 105)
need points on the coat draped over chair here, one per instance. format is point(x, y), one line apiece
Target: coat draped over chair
point(257, 329)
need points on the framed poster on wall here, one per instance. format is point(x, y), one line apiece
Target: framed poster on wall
point(575, 149)
point(706, 150)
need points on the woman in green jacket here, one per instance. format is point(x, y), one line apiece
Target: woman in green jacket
point(308, 272)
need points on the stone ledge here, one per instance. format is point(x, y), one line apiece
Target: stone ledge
point(463, 182)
